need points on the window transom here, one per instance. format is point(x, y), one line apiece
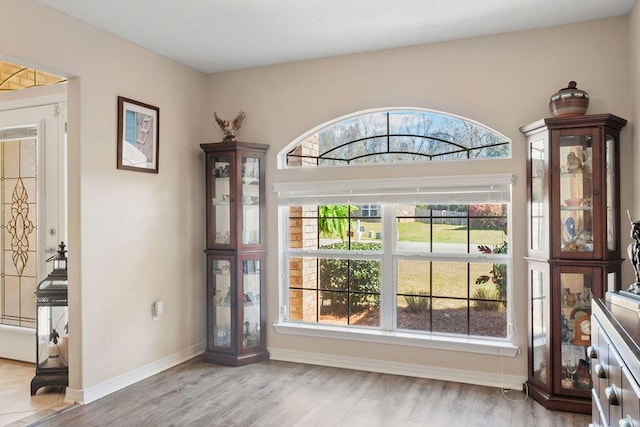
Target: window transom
point(395, 136)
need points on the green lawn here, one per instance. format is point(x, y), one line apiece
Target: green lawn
point(449, 278)
point(442, 233)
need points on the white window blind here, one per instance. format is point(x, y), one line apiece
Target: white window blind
point(493, 188)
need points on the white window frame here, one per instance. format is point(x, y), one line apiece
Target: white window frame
point(455, 190)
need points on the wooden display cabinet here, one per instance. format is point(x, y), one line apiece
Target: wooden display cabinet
point(573, 188)
point(235, 218)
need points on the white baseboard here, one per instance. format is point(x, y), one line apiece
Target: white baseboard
point(112, 385)
point(514, 382)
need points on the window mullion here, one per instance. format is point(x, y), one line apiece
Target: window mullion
point(388, 291)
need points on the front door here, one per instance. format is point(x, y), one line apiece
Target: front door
point(32, 215)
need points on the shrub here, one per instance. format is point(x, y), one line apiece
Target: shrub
point(417, 303)
point(495, 213)
point(334, 219)
point(352, 284)
point(487, 292)
point(498, 273)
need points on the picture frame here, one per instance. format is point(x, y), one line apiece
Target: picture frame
point(138, 139)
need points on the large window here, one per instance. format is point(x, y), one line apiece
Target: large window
point(420, 266)
point(418, 261)
point(448, 263)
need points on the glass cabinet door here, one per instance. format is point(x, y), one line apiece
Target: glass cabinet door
point(576, 291)
point(576, 195)
point(251, 302)
point(220, 199)
point(540, 321)
point(250, 200)
point(612, 203)
point(222, 295)
point(538, 209)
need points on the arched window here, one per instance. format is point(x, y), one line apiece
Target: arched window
point(421, 261)
point(399, 135)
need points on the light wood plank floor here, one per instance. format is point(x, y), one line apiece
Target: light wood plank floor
point(290, 394)
point(17, 406)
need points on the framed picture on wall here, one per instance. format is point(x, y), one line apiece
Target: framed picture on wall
point(138, 136)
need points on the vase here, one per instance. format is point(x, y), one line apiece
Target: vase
point(569, 102)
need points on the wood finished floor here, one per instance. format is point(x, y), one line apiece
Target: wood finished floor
point(291, 394)
point(17, 406)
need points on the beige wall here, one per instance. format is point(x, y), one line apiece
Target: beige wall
point(502, 81)
point(133, 237)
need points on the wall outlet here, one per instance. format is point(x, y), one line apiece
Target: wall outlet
point(157, 308)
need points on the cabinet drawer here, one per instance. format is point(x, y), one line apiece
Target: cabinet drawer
point(630, 401)
point(597, 414)
point(613, 392)
point(600, 367)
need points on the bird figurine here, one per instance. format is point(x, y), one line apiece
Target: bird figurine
point(574, 164)
point(229, 128)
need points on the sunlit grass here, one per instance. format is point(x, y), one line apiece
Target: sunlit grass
point(438, 278)
point(449, 279)
point(442, 233)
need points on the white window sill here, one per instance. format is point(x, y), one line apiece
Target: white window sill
point(490, 346)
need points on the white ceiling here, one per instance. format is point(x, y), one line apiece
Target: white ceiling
point(223, 35)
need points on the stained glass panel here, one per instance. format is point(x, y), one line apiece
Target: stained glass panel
point(18, 243)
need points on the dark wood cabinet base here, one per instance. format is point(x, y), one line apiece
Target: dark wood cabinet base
point(558, 403)
point(235, 359)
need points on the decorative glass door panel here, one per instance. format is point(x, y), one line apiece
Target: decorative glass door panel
point(575, 323)
point(251, 302)
point(221, 201)
point(250, 200)
point(222, 302)
point(576, 194)
point(19, 222)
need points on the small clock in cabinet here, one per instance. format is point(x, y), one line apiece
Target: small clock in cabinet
point(582, 329)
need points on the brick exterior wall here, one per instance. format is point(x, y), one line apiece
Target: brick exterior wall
point(303, 234)
point(303, 272)
point(308, 147)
